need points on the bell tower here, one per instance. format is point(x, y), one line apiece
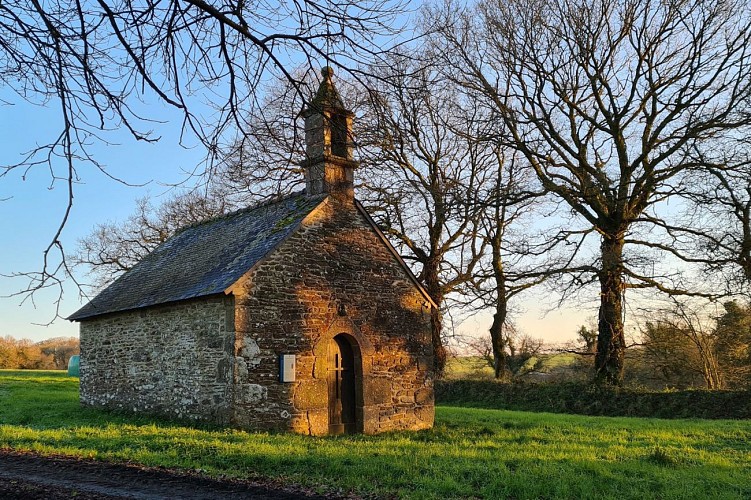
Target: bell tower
point(329, 165)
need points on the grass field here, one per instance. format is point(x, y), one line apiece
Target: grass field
point(475, 367)
point(469, 453)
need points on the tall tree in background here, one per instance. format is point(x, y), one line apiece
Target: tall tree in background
point(104, 62)
point(733, 343)
point(509, 200)
point(422, 178)
point(506, 202)
point(607, 101)
point(521, 356)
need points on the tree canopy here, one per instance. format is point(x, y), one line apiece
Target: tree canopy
point(612, 104)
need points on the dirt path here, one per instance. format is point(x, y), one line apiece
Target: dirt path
point(30, 477)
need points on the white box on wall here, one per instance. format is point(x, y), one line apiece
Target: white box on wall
point(287, 367)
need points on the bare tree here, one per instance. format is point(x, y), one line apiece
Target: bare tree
point(680, 344)
point(421, 178)
point(102, 62)
point(608, 100)
point(519, 350)
point(114, 247)
point(510, 200)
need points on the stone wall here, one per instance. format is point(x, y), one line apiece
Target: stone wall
point(217, 358)
point(334, 275)
point(173, 360)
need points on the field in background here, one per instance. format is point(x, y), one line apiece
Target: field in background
point(469, 453)
point(537, 368)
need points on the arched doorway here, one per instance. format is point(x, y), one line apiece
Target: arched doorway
point(342, 381)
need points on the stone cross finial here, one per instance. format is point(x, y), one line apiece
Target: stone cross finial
point(329, 167)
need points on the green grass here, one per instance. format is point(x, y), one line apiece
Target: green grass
point(463, 367)
point(469, 453)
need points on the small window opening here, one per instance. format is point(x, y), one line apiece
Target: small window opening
point(339, 135)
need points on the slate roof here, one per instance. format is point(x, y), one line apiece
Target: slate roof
point(203, 259)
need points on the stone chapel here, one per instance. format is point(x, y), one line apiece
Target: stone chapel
point(293, 315)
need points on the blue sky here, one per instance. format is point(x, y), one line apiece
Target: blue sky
point(33, 204)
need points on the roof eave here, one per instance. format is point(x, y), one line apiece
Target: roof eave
point(78, 319)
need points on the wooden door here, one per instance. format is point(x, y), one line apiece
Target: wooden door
point(341, 377)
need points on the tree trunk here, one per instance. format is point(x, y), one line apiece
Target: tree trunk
point(433, 287)
point(744, 255)
point(611, 345)
point(498, 340)
point(439, 351)
point(500, 357)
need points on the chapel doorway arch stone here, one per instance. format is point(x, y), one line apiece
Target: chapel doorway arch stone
point(344, 385)
point(343, 329)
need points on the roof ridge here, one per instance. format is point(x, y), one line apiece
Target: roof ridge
point(260, 204)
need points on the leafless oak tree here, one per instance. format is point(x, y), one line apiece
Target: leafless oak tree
point(516, 256)
point(421, 178)
point(608, 100)
point(519, 350)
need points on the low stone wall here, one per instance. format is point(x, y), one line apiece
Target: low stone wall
point(173, 360)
